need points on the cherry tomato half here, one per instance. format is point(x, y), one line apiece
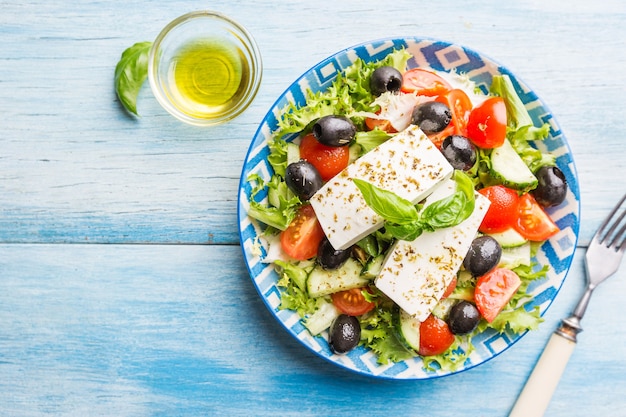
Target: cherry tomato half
point(461, 107)
point(435, 336)
point(352, 302)
point(438, 138)
point(494, 290)
point(486, 126)
point(503, 211)
point(329, 160)
point(450, 289)
point(533, 222)
point(424, 82)
point(381, 124)
point(302, 237)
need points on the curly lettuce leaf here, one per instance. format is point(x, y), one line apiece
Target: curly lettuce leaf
point(278, 156)
point(348, 94)
point(517, 115)
point(518, 320)
point(452, 359)
point(378, 335)
point(293, 296)
point(520, 130)
point(282, 203)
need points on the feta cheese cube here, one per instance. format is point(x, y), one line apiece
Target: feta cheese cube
point(407, 164)
point(416, 274)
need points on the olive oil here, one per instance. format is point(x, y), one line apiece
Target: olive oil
point(207, 77)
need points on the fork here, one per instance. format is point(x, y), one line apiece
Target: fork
point(602, 260)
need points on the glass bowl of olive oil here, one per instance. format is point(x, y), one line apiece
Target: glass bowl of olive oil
point(204, 68)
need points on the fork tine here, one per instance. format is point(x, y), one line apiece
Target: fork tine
point(600, 236)
point(615, 237)
point(621, 234)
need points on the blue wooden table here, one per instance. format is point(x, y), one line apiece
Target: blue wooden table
point(123, 291)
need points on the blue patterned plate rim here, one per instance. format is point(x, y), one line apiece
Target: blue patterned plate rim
point(439, 55)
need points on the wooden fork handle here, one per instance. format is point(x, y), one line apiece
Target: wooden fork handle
point(536, 394)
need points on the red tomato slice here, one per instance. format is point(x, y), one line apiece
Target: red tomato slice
point(329, 160)
point(486, 126)
point(435, 336)
point(352, 302)
point(302, 237)
point(424, 82)
point(382, 124)
point(450, 289)
point(533, 222)
point(438, 138)
point(494, 290)
point(504, 209)
point(461, 107)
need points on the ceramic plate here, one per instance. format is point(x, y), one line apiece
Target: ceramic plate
point(442, 56)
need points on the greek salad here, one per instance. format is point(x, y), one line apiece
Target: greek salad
point(404, 209)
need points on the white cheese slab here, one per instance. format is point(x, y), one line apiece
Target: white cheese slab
point(415, 274)
point(407, 164)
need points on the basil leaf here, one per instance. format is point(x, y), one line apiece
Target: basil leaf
point(386, 204)
point(130, 73)
point(407, 231)
point(370, 245)
point(453, 209)
point(446, 212)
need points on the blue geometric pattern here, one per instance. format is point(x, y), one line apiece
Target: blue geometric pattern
point(557, 252)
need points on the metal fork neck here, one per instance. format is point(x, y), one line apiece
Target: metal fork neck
point(581, 307)
point(570, 327)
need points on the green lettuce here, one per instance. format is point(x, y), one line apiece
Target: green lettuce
point(294, 295)
point(282, 203)
point(349, 93)
point(520, 129)
point(377, 334)
point(370, 139)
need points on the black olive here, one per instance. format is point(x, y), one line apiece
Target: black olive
point(483, 255)
point(334, 130)
point(345, 334)
point(330, 258)
point(459, 151)
point(463, 318)
point(385, 79)
point(303, 179)
point(431, 117)
point(551, 188)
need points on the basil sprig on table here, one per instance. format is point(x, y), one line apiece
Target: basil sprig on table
point(405, 221)
point(130, 73)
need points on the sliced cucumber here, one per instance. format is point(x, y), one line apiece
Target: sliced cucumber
point(464, 278)
point(323, 282)
point(293, 153)
point(510, 238)
point(323, 317)
point(464, 290)
point(442, 309)
point(463, 293)
point(372, 268)
point(508, 168)
point(407, 328)
point(354, 152)
point(516, 256)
